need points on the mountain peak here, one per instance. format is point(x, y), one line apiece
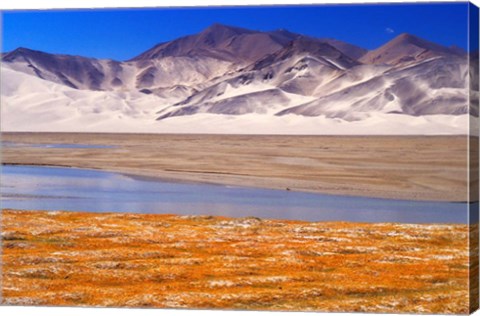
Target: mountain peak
point(19, 52)
point(22, 50)
point(409, 39)
point(223, 28)
point(406, 48)
point(285, 32)
point(218, 33)
point(406, 37)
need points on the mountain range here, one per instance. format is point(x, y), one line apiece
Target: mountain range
point(232, 80)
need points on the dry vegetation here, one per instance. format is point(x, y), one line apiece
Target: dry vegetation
point(405, 167)
point(85, 259)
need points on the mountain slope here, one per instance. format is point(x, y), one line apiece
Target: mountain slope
point(420, 90)
point(229, 79)
point(283, 79)
point(338, 87)
point(32, 104)
point(352, 51)
point(73, 71)
point(185, 62)
point(149, 76)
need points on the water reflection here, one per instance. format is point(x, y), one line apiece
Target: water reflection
point(48, 188)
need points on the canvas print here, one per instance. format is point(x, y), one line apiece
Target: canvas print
point(293, 158)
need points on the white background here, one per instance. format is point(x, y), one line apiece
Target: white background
point(45, 4)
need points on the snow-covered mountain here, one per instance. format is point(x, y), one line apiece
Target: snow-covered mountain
point(232, 80)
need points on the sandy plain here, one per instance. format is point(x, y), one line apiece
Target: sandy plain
point(397, 167)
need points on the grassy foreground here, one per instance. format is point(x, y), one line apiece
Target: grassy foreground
point(167, 261)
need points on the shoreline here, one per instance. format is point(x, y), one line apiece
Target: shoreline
point(226, 180)
point(229, 218)
point(238, 218)
point(406, 168)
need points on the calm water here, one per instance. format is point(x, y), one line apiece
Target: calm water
point(47, 188)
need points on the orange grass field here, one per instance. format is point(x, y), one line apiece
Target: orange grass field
point(168, 261)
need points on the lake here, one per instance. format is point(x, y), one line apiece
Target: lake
point(52, 188)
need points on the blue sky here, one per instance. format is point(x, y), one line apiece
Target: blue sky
point(124, 33)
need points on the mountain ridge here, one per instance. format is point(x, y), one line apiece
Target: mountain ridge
point(232, 72)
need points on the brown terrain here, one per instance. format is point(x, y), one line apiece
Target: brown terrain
point(406, 167)
point(169, 261)
point(87, 259)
